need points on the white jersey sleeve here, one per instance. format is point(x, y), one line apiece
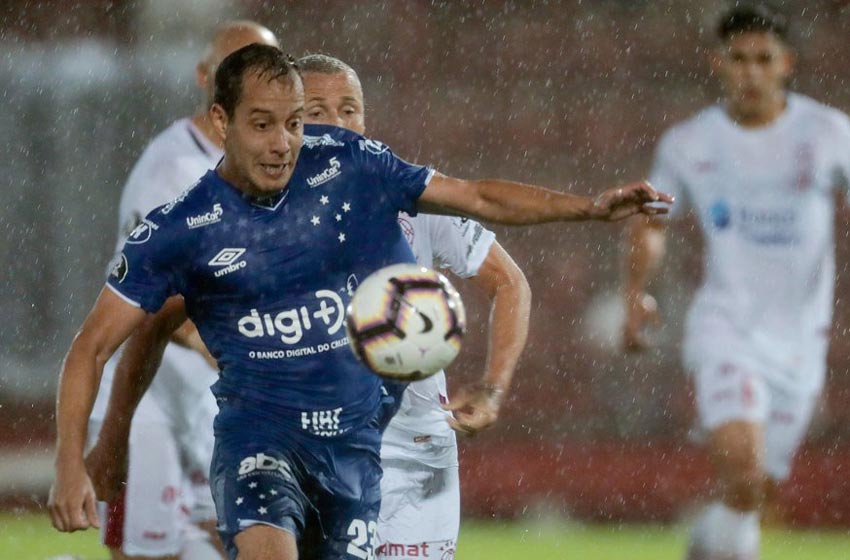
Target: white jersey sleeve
point(666, 175)
point(459, 244)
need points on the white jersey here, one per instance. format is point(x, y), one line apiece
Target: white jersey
point(765, 200)
point(419, 431)
point(170, 164)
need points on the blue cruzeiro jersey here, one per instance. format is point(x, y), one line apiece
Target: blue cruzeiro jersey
point(267, 284)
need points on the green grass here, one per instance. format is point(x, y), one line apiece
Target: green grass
point(28, 536)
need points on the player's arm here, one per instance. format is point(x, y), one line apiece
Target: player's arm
point(110, 322)
point(187, 336)
point(107, 460)
point(476, 407)
point(645, 248)
point(512, 203)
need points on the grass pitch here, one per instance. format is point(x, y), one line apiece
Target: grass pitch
point(28, 536)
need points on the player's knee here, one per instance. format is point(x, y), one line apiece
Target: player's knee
point(262, 542)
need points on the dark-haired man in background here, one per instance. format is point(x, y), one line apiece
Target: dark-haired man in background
point(760, 172)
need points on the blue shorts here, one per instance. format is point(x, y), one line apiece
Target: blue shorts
point(325, 491)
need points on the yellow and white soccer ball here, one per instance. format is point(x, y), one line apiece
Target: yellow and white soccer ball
point(406, 322)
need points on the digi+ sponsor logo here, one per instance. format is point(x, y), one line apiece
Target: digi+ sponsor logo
point(205, 219)
point(228, 259)
point(330, 173)
point(324, 423)
point(290, 324)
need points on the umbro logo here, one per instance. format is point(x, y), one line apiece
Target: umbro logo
point(229, 259)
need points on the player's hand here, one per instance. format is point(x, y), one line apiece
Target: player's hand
point(107, 467)
point(72, 501)
point(475, 408)
point(641, 312)
point(628, 200)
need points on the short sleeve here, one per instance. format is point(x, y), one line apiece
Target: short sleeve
point(665, 175)
point(145, 272)
point(402, 182)
point(459, 244)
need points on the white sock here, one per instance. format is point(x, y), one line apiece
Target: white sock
point(199, 549)
point(723, 533)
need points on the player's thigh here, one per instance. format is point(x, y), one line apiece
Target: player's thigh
point(257, 481)
point(264, 542)
point(149, 518)
point(729, 391)
point(790, 415)
point(420, 511)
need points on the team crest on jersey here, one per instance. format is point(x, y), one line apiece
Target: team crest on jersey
point(373, 146)
point(142, 232)
point(406, 229)
point(120, 268)
point(205, 219)
point(323, 140)
point(331, 172)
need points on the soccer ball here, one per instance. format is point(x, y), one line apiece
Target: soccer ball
point(406, 322)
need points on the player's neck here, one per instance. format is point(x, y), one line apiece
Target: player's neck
point(761, 116)
point(203, 123)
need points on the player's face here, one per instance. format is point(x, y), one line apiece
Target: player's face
point(334, 99)
point(263, 138)
point(753, 68)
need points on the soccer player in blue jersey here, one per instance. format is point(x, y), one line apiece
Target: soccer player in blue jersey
point(264, 253)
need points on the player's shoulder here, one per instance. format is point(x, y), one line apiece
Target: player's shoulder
point(198, 199)
point(693, 128)
point(169, 143)
point(321, 138)
point(824, 118)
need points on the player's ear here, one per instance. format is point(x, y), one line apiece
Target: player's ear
point(219, 119)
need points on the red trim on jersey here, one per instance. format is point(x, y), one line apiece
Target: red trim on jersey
point(113, 536)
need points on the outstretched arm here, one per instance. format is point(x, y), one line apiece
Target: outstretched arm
point(518, 204)
point(645, 248)
point(476, 407)
point(111, 320)
point(140, 360)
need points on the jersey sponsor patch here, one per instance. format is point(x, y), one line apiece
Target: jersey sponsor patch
point(323, 140)
point(228, 258)
point(372, 146)
point(329, 173)
point(205, 219)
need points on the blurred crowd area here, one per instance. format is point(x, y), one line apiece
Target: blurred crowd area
point(571, 95)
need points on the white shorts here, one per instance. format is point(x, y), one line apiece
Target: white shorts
point(420, 511)
point(729, 390)
point(150, 518)
point(196, 446)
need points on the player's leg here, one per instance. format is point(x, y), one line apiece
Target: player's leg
point(201, 540)
point(148, 520)
point(732, 400)
point(420, 511)
point(264, 542)
point(790, 415)
point(257, 479)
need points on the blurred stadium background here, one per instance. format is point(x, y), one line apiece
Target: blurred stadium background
point(570, 94)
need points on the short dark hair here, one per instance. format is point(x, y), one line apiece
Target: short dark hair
point(323, 64)
point(752, 17)
point(265, 60)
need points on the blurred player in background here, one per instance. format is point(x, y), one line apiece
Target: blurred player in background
point(297, 438)
point(420, 489)
point(167, 494)
point(760, 171)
